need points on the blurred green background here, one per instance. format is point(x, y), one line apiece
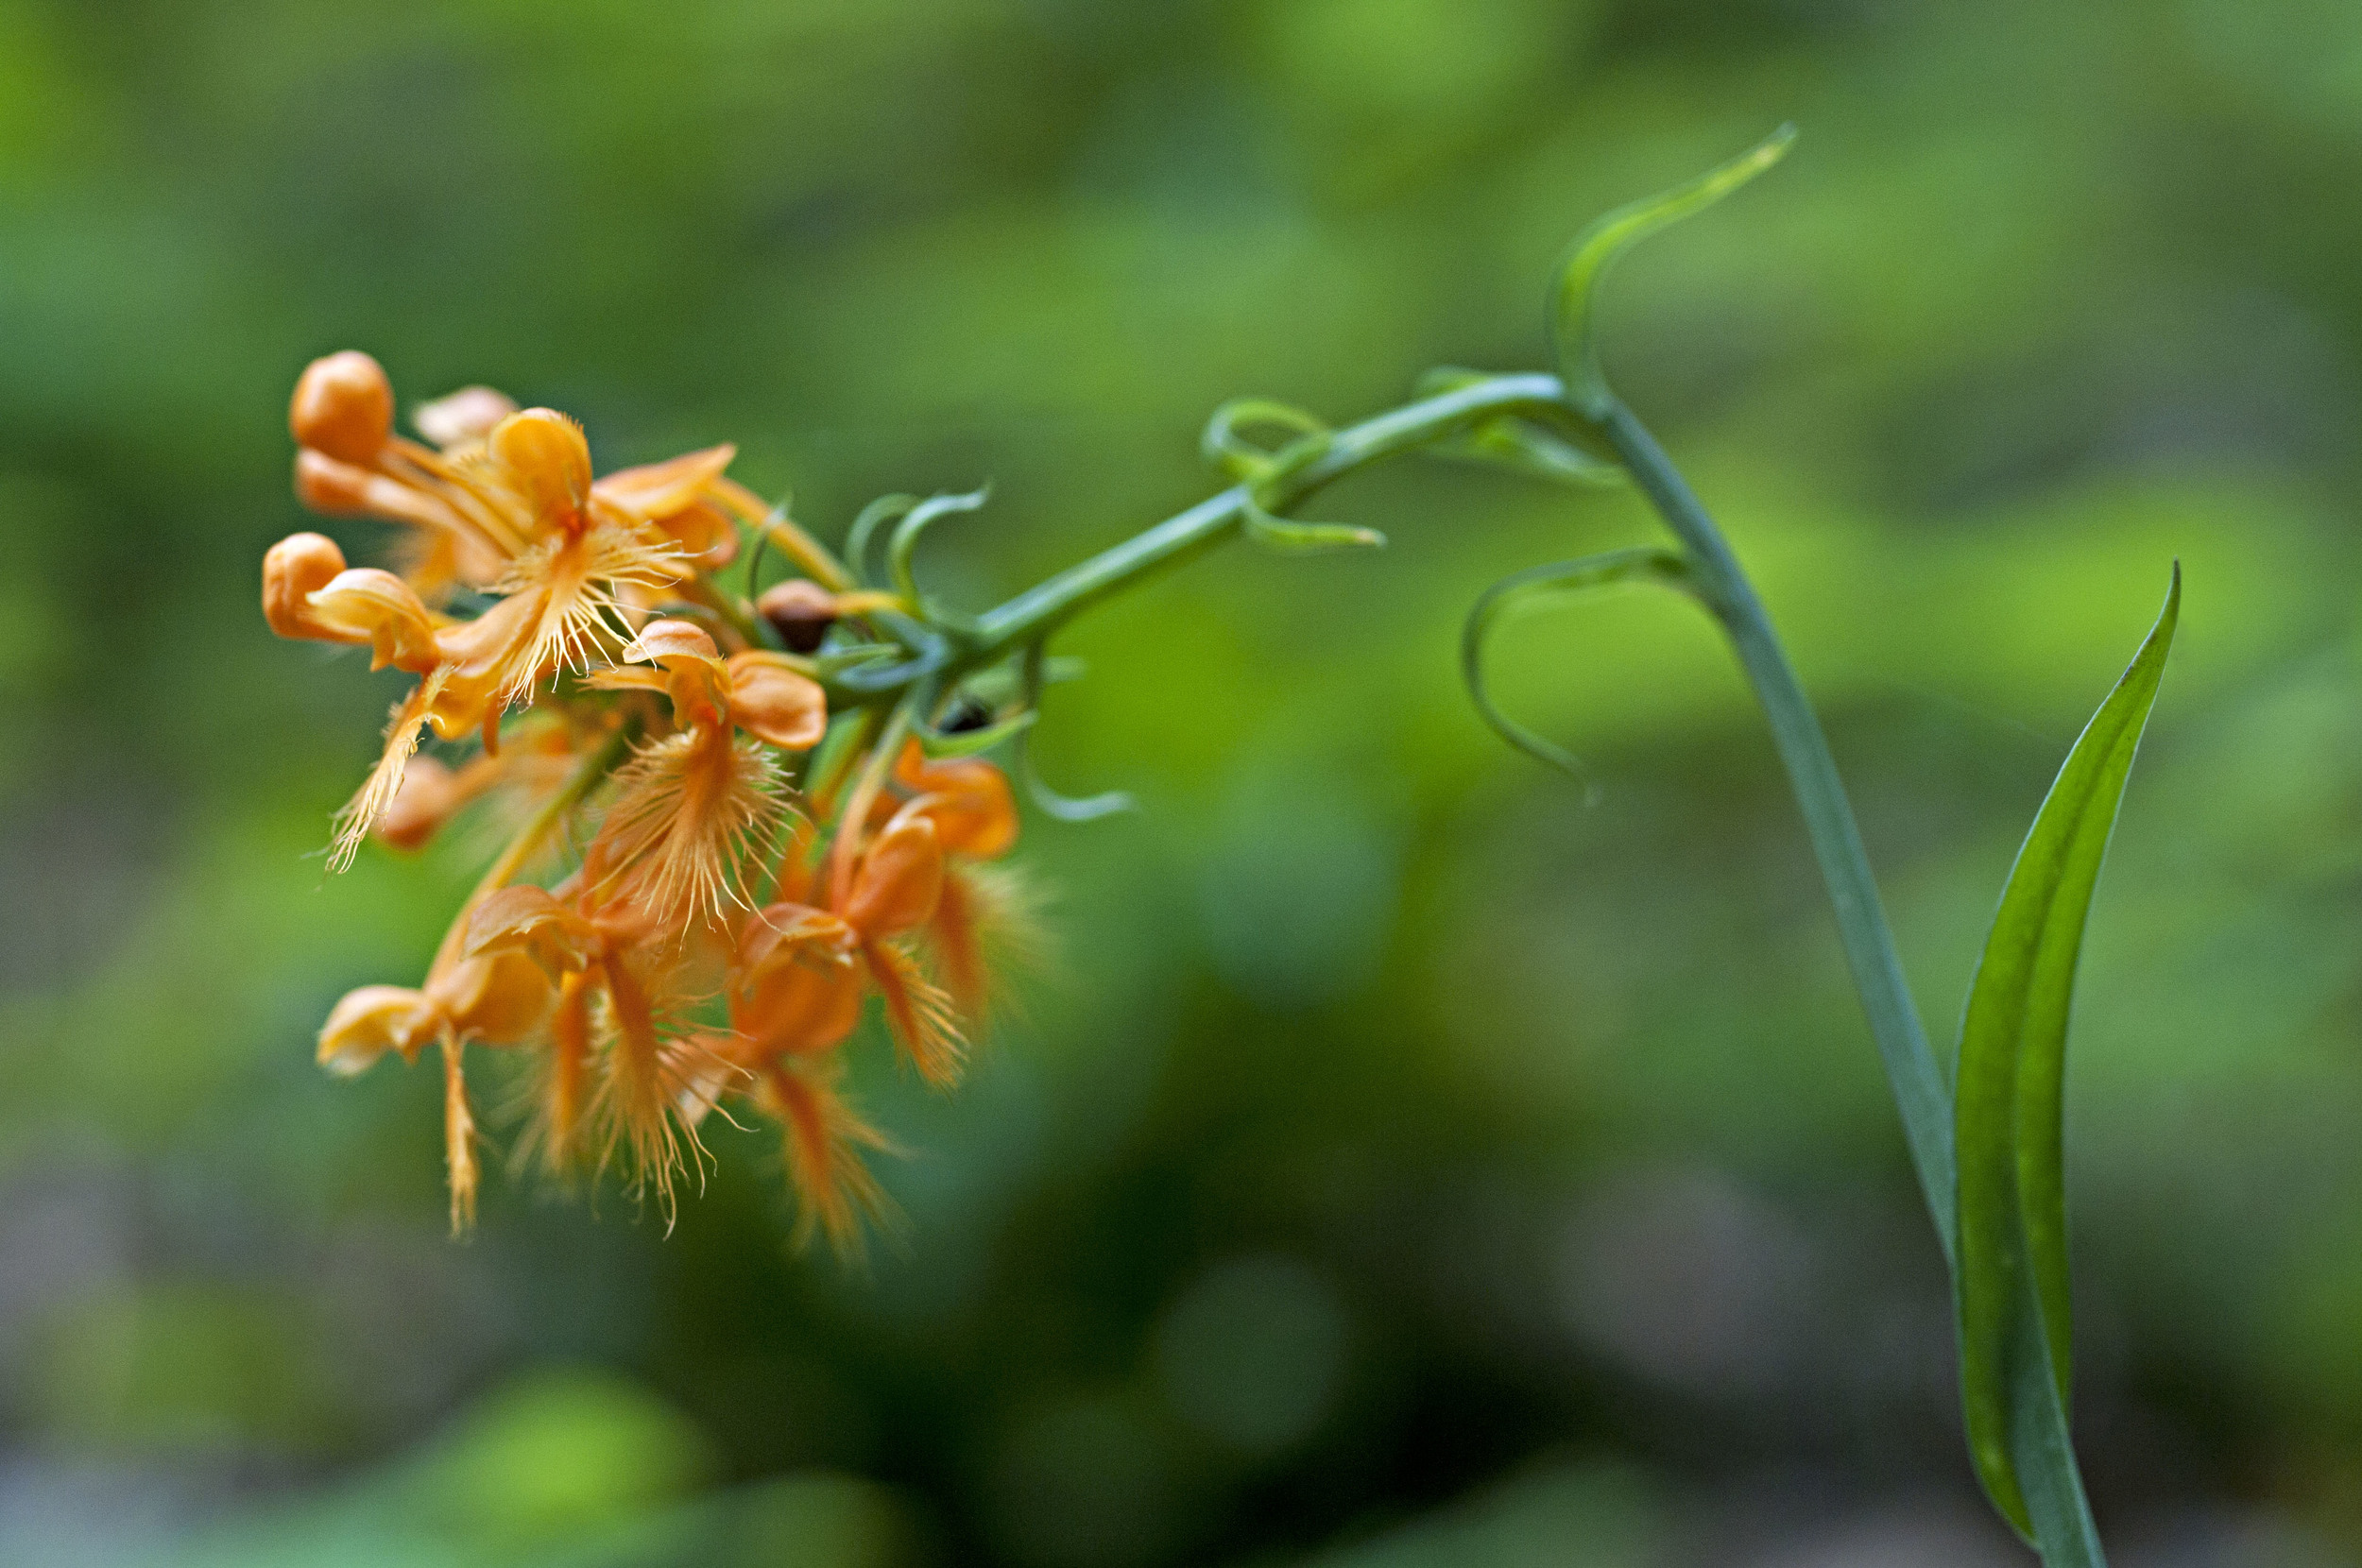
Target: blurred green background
point(1407, 1162)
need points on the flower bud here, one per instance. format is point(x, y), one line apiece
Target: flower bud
point(546, 454)
point(461, 416)
point(800, 611)
point(343, 406)
point(292, 569)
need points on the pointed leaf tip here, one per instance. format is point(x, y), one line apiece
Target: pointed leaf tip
point(2015, 1326)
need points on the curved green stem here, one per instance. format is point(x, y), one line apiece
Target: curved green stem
point(1034, 613)
point(1920, 1090)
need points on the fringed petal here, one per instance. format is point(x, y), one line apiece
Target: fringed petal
point(458, 1139)
point(653, 1069)
point(918, 1013)
point(378, 791)
point(835, 1191)
point(689, 809)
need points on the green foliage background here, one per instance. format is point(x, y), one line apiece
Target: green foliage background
point(1404, 1162)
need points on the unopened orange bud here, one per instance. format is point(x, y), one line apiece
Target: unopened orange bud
point(344, 406)
point(463, 416)
point(292, 569)
point(550, 459)
point(800, 611)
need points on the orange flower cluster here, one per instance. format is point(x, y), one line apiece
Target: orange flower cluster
point(709, 877)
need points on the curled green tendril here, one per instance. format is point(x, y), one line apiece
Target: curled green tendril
point(1573, 327)
point(1242, 459)
point(1589, 576)
point(1036, 670)
point(904, 544)
point(873, 517)
point(1263, 472)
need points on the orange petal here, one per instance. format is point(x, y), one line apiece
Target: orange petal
point(367, 1023)
point(378, 791)
point(372, 604)
point(657, 490)
point(703, 533)
point(665, 641)
point(628, 678)
point(898, 879)
point(775, 703)
point(458, 1140)
point(497, 997)
point(825, 1139)
point(550, 461)
point(564, 1090)
point(797, 1009)
point(918, 1013)
point(343, 406)
point(527, 919)
point(458, 417)
point(969, 800)
point(781, 932)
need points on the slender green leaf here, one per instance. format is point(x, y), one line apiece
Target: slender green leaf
point(2015, 1331)
point(1571, 315)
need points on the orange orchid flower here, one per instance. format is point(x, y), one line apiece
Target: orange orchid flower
point(692, 805)
point(639, 996)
